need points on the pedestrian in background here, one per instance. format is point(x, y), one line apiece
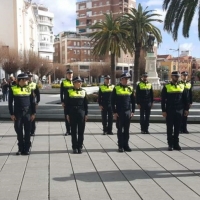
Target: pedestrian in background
point(104, 100)
point(144, 100)
point(76, 111)
point(5, 88)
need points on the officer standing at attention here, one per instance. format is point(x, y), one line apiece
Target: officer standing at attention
point(104, 99)
point(123, 106)
point(23, 113)
point(76, 111)
point(144, 100)
point(174, 103)
point(66, 85)
point(36, 93)
point(188, 88)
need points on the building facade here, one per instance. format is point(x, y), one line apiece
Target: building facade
point(45, 21)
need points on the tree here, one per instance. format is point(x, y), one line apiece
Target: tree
point(31, 62)
point(178, 11)
point(111, 36)
point(46, 68)
point(59, 70)
point(95, 71)
point(4, 51)
point(11, 63)
point(139, 22)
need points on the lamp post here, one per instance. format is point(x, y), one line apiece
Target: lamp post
point(178, 56)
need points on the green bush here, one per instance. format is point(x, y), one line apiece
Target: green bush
point(39, 85)
point(55, 86)
point(196, 96)
point(92, 98)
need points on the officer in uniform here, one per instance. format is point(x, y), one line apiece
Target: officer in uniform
point(144, 100)
point(76, 110)
point(174, 103)
point(188, 88)
point(23, 112)
point(66, 85)
point(123, 106)
point(104, 99)
point(36, 92)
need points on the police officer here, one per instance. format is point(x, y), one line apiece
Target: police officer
point(65, 85)
point(121, 100)
point(188, 88)
point(36, 92)
point(76, 110)
point(104, 99)
point(174, 103)
point(144, 100)
point(23, 112)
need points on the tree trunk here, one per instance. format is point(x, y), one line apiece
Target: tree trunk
point(137, 64)
point(142, 64)
point(113, 69)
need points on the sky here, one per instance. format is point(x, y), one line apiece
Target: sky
point(65, 20)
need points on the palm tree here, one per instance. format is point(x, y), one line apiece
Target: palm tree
point(139, 22)
point(178, 11)
point(111, 37)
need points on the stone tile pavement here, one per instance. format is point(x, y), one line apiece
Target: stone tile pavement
point(52, 172)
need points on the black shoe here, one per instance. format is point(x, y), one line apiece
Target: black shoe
point(67, 133)
point(32, 134)
point(128, 149)
point(186, 132)
point(147, 132)
point(26, 153)
point(74, 150)
point(143, 132)
point(170, 148)
point(110, 133)
point(19, 153)
point(177, 147)
point(121, 150)
point(104, 133)
point(80, 151)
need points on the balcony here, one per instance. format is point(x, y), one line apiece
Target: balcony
point(46, 22)
point(46, 48)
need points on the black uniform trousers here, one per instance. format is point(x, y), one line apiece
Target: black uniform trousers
point(145, 111)
point(67, 124)
point(77, 122)
point(107, 119)
point(183, 126)
point(33, 127)
point(23, 122)
point(173, 120)
point(123, 125)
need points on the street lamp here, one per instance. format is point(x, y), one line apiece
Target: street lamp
point(178, 56)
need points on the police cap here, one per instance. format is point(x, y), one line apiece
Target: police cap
point(29, 74)
point(106, 77)
point(22, 76)
point(184, 73)
point(69, 71)
point(145, 74)
point(175, 73)
point(125, 75)
point(77, 79)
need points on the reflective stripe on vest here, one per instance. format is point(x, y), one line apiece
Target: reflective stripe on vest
point(18, 91)
point(76, 94)
point(188, 85)
point(67, 84)
point(32, 85)
point(123, 91)
point(105, 88)
point(144, 86)
point(174, 88)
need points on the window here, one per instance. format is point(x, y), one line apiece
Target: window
point(118, 68)
point(74, 51)
point(47, 57)
point(107, 2)
point(125, 69)
point(84, 67)
point(95, 13)
point(100, 12)
point(74, 43)
point(85, 51)
point(174, 68)
point(78, 52)
point(88, 52)
point(78, 43)
point(100, 3)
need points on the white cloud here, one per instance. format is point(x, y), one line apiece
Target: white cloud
point(186, 47)
point(154, 3)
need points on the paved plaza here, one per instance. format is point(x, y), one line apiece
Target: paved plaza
point(52, 172)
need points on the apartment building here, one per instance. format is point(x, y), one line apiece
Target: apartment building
point(91, 11)
point(45, 21)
